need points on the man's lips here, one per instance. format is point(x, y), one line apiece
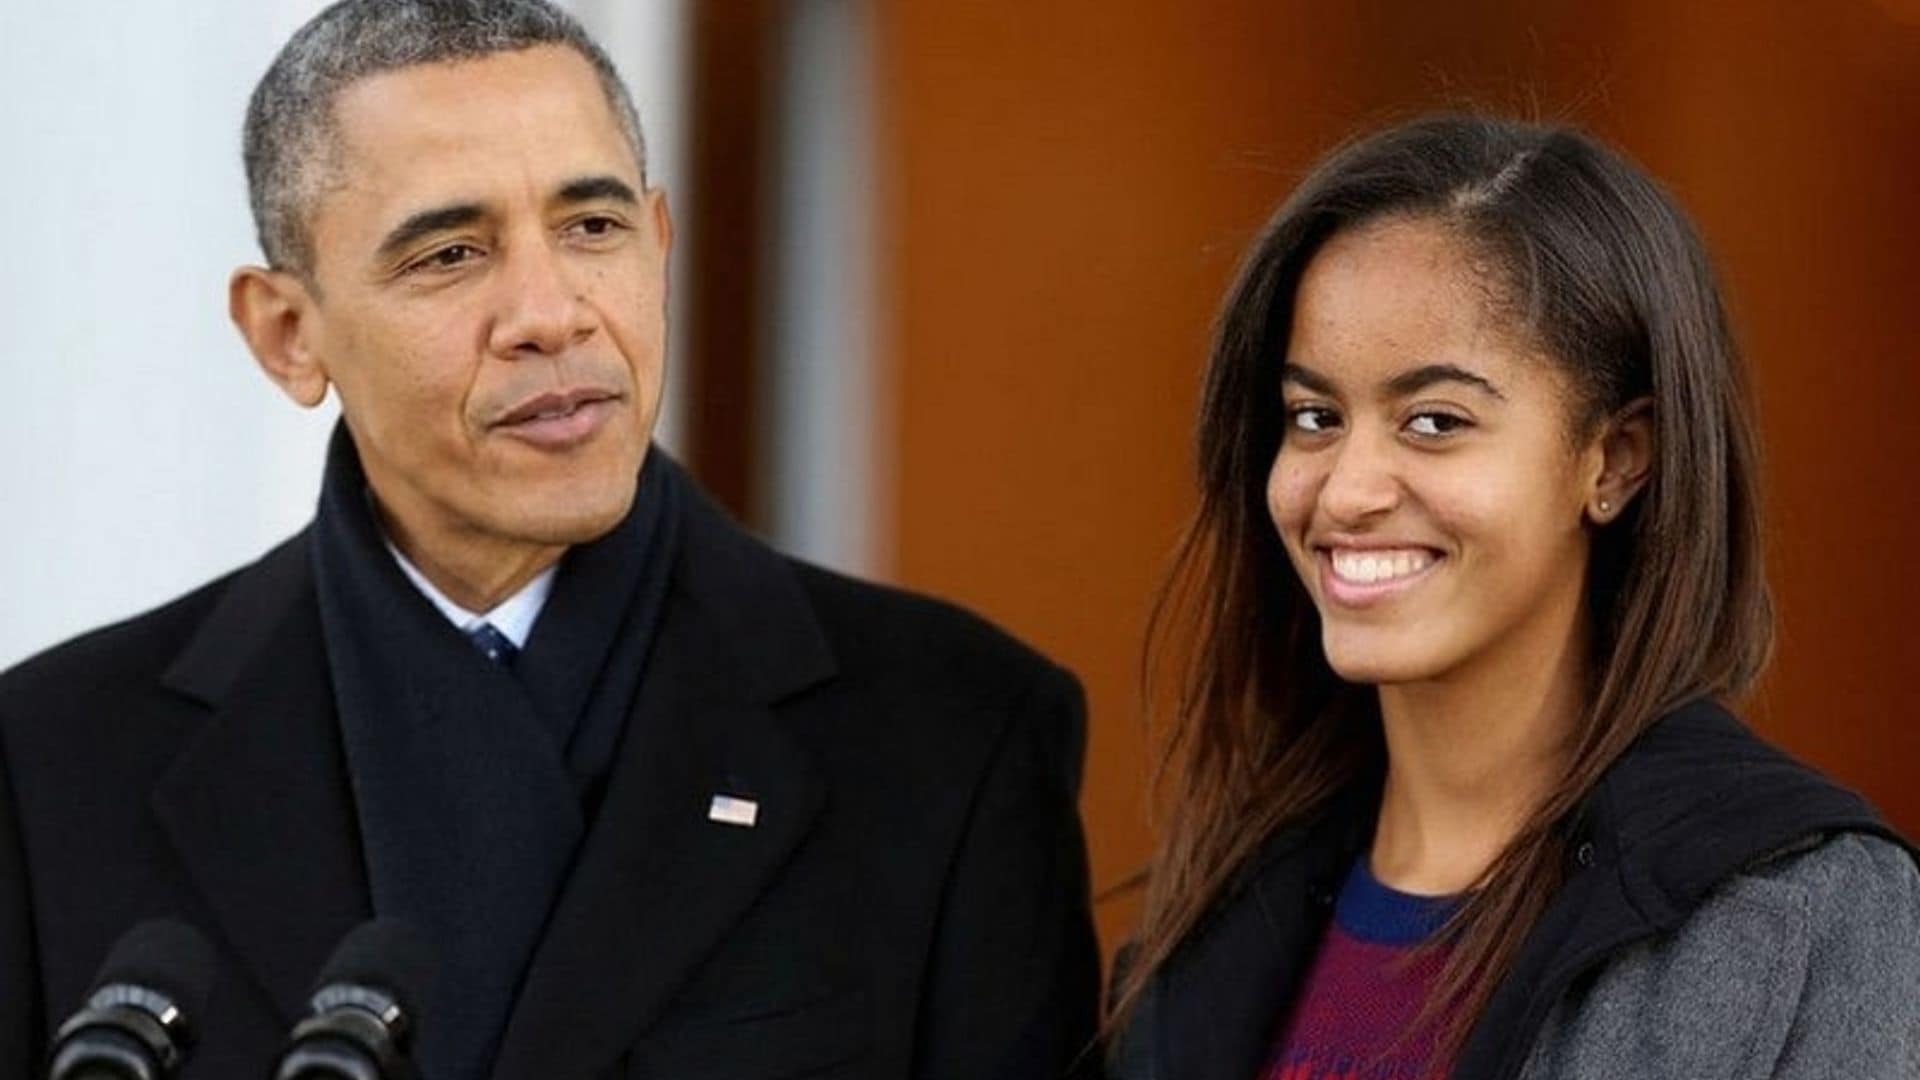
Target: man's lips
point(553, 406)
point(558, 421)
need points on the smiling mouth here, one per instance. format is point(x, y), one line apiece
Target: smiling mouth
point(1376, 567)
point(1356, 577)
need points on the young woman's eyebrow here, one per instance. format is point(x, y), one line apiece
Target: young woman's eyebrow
point(1306, 377)
point(1412, 382)
point(1401, 385)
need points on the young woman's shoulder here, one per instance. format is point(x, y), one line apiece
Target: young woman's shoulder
point(1803, 966)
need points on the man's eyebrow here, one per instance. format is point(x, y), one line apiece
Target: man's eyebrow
point(1306, 377)
point(1412, 382)
point(594, 188)
point(426, 223)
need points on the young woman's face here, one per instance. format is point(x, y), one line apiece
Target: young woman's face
point(1427, 489)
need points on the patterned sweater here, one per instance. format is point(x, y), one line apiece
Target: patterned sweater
point(1354, 1016)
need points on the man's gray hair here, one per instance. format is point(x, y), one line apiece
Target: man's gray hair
point(289, 142)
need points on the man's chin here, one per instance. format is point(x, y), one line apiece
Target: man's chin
point(567, 514)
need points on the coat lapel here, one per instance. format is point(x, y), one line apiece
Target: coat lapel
point(257, 804)
point(658, 881)
point(1216, 1004)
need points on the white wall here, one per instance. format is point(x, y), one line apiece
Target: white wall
point(142, 452)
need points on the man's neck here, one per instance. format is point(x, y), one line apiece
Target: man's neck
point(472, 570)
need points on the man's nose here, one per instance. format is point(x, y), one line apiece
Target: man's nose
point(541, 309)
point(1363, 481)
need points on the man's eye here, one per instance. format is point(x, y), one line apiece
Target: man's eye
point(1434, 424)
point(446, 258)
point(598, 226)
point(1312, 419)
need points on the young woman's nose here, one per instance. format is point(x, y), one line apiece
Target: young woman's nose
point(1362, 480)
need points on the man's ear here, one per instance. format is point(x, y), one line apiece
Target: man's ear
point(275, 312)
point(1624, 448)
point(656, 198)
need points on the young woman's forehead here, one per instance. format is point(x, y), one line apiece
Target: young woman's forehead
point(1382, 307)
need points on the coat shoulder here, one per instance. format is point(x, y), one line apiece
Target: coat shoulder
point(131, 652)
point(1773, 966)
point(885, 633)
point(1856, 1013)
point(137, 654)
point(1851, 876)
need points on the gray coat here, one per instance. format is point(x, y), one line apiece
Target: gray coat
point(1726, 912)
point(1804, 967)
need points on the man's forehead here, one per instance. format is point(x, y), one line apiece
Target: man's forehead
point(512, 124)
point(544, 102)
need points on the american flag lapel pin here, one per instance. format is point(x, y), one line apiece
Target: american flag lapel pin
point(728, 810)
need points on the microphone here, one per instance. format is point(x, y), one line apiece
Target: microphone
point(366, 1008)
point(137, 1022)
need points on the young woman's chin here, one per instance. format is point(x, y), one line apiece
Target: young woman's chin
point(1379, 656)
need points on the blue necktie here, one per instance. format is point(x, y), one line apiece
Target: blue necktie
point(494, 644)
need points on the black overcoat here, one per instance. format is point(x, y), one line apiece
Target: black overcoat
point(910, 902)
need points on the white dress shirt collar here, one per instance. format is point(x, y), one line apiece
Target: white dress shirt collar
point(513, 616)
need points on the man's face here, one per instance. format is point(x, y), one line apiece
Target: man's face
point(490, 276)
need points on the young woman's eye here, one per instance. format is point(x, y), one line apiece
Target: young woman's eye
point(1435, 424)
point(1312, 419)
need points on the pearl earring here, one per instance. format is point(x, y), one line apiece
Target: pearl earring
point(1606, 507)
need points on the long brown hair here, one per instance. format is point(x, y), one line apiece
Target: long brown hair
point(1607, 274)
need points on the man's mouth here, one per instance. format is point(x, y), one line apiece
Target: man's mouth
point(558, 421)
point(554, 406)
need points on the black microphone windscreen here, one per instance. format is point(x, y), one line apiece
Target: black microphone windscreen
point(161, 954)
point(386, 954)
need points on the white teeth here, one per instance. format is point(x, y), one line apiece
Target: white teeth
point(1370, 567)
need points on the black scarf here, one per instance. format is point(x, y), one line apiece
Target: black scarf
point(475, 783)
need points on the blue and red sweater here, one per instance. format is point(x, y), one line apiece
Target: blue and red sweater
point(1354, 1016)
